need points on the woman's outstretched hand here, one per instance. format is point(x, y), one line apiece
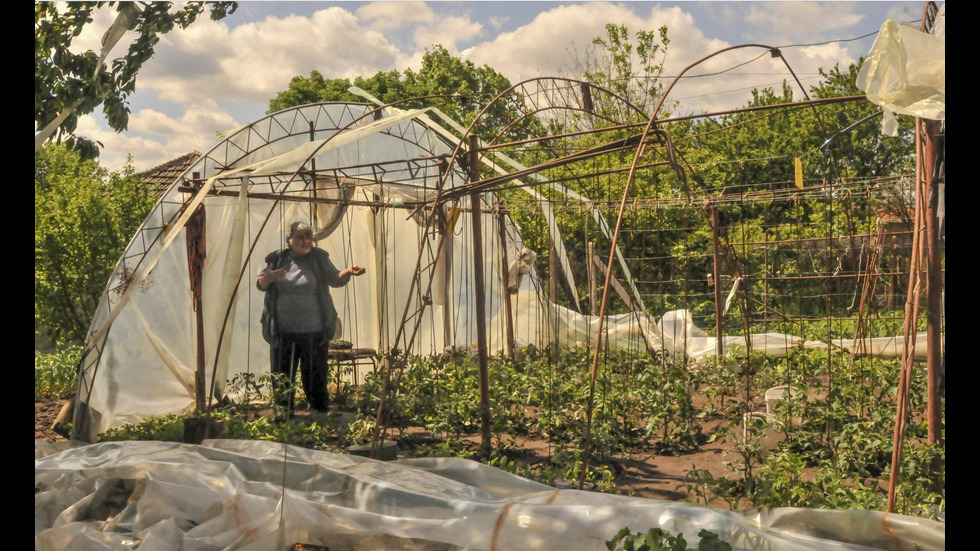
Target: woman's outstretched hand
point(272, 275)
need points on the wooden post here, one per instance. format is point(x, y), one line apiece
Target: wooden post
point(912, 304)
point(478, 289)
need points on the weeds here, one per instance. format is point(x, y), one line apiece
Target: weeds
point(55, 372)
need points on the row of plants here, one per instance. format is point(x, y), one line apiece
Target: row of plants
point(833, 432)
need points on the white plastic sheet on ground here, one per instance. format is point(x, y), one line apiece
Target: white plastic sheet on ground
point(886, 347)
point(256, 495)
point(677, 335)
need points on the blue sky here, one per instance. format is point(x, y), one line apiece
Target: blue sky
point(215, 76)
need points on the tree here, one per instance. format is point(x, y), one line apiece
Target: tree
point(83, 217)
point(313, 89)
point(629, 65)
point(68, 84)
point(755, 151)
point(460, 87)
point(631, 71)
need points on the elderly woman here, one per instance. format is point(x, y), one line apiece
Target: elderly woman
point(299, 317)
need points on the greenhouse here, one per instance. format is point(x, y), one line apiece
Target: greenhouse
point(569, 269)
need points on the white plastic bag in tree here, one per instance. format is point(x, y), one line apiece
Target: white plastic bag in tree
point(905, 72)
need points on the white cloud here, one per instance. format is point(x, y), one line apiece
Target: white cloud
point(543, 46)
point(726, 14)
point(253, 61)
point(154, 137)
point(448, 33)
point(150, 121)
point(796, 22)
point(825, 56)
point(497, 21)
point(389, 15)
point(146, 152)
point(206, 118)
point(91, 35)
point(194, 69)
point(905, 12)
point(550, 43)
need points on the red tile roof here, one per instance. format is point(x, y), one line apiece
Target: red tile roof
point(161, 176)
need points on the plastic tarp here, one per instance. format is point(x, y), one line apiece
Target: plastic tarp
point(905, 72)
point(257, 495)
point(886, 347)
point(677, 335)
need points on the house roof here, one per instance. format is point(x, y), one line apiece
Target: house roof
point(161, 176)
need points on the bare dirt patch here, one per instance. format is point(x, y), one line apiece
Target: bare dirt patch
point(45, 412)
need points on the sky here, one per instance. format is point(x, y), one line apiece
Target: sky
point(216, 76)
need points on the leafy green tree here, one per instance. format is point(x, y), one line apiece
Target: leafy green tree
point(861, 150)
point(771, 139)
point(724, 158)
point(69, 84)
point(456, 86)
point(754, 152)
point(629, 67)
point(83, 217)
point(313, 89)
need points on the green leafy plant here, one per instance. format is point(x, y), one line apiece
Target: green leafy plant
point(658, 539)
point(83, 217)
point(55, 372)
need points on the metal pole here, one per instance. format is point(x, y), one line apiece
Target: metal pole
point(502, 229)
point(478, 289)
point(314, 222)
point(552, 269)
point(716, 266)
point(199, 384)
point(292, 382)
point(590, 263)
point(553, 290)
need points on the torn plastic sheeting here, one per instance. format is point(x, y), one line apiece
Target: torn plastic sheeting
point(235, 494)
point(905, 72)
point(887, 347)
point(228, 287)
